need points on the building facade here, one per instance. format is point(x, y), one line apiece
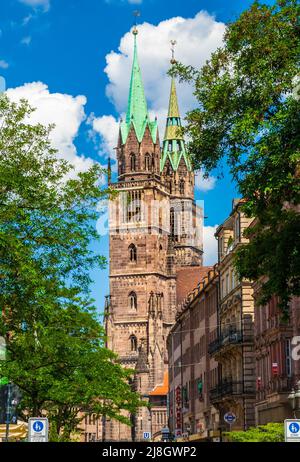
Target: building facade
point(277, 372)
point(233, 348)
point(155, 229)
point(192, 371)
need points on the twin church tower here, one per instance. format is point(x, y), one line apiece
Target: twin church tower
point(155, 251)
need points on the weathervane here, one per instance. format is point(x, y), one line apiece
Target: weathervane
point(136, 14)
point(173, 43)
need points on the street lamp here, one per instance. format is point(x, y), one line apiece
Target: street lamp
point(294, 399)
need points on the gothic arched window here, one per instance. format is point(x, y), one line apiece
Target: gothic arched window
point(181, 187)
point(132, 253)
point(132, 162)
point(172, 222)
point(147, 162)
point(133, 343)
point(132, 301)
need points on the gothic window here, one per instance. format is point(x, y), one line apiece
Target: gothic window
point(147, 162)
point(172, 222)
point(132, 253)
point(133, 343)
point(181, 187)
point(132, 301)
point(132, 162)
point(133, 205)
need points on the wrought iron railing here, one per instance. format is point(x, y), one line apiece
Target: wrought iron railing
point(229, 336)
point(229, 387)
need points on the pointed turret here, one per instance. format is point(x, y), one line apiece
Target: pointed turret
point(173, 145)
point(137, 111)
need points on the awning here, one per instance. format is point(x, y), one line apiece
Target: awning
point(18, 431)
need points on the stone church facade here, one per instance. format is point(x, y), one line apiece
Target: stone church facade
point(155, 232)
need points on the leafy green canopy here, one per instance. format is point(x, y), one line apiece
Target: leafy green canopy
point(248, 113)
point(270, 433)
point(55, 343)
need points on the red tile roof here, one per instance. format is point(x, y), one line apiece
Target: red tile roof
point(161, 390)
point(188, 279)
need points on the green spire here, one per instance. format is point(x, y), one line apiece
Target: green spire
point(174, 146)
point(137, 112)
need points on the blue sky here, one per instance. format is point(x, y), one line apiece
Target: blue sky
point(71, 59)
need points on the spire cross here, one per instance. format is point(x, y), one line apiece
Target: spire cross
point(173, 45)
point(136, 14)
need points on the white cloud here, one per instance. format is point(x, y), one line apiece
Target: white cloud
point(65, 111)
point(197, 38)
point(3, 64)
point(27, 19)
point(45, 4)
point(135, 2)
point(204, 184)
point(108, 128)
point(26, 40)
point(210, 245)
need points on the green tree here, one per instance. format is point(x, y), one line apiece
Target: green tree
point(270, 433)
point(248, 114)
point(55, 343)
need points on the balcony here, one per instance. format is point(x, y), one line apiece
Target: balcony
point(229, 336)
point(229, 388)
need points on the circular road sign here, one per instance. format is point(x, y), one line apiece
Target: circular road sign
point(294, 427)
point(230, 417)
point(38, 426)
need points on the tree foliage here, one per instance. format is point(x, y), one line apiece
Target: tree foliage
point(55, 343)
point(270, 433)
point(248, 113)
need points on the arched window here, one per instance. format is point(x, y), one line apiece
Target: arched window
point(132, 253)
point(133, 343)
point(132, 301)
point(181, 187)
point(172, 222)
point(147, 162)
point(132, 162)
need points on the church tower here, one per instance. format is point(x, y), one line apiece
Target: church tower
point(146, 249)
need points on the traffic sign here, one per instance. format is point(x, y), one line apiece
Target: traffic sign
point(147, 436)
point(38, 430)
point(230, 418)
point(292, 430)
